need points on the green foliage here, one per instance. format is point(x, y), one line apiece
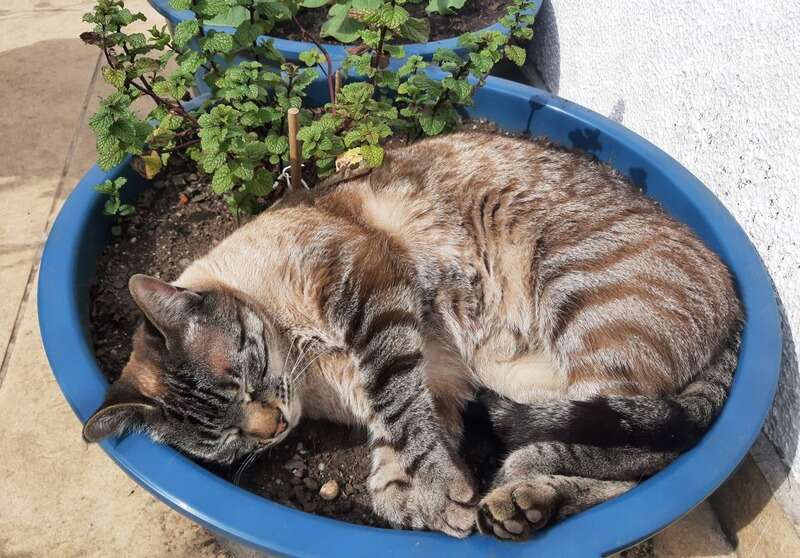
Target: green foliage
point(114, 207)
point(238, 136)
point(444, 7)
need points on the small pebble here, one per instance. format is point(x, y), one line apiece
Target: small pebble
point(298, 473)
point(329, 490)
point(295, 463)
point(321, 466)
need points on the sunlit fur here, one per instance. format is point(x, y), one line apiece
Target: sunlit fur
point(606, 331)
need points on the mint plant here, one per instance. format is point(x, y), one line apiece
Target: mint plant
point(237, 135)
point(114, 207)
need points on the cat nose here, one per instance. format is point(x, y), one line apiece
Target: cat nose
point(262, 420)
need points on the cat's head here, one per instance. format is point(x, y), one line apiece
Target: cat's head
point(208, 374)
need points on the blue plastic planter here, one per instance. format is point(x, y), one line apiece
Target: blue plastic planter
point(80, 233)
point(291, 49)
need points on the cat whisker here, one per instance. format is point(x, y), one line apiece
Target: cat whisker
point(307, 366)
point(246, 464)
point(296, 363)
point(288, 353)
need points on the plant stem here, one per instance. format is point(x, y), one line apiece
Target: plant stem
point(148, 90)
point(457, 76)
point(181, 146)
point(381, 41)
point(328, 59)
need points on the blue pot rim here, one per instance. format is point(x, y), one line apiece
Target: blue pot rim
point(291, 49)
point(217, 504)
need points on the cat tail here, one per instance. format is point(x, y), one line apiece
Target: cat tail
point(660, 423)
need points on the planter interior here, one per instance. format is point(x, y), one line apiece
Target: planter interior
point(80, 233)
point(291, 49)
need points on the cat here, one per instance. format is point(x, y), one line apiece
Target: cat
point(608, 331)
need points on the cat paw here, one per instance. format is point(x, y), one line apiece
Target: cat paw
point(516, 510)
point(440, 498)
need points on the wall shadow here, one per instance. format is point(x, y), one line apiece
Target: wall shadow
point(544, 52)
point(750, 489)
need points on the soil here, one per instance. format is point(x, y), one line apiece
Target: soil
point(475, 15)
point(179, 220)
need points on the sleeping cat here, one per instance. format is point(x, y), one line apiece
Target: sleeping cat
point(609, 331)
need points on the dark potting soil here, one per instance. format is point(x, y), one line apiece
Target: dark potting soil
point(474, 16)
point(178, 220)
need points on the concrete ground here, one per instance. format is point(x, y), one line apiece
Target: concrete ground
point(63, 498)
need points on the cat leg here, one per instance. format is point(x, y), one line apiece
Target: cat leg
point(417, 478)
point(546, 481)
point(517, 509)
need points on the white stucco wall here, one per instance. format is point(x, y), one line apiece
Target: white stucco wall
point(716, 84)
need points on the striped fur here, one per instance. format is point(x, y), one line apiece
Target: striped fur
point(606, 329)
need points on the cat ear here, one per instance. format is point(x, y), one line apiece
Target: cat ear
point(166, 307)
point(124, 410)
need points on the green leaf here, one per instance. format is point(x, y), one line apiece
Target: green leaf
point(395, 51)
point(223, 180)
point(432, 125)
point(444, 7)
point(372, 154)
point(190, 61)
point(392, 16)
point(231, 17)
point(523, 33)
point(111, 206)
point(185, 31)
point(106, 188)
point(277, 145)
point(411, 65)
point(109, 157)
point(126, 210)
point(213, 161)
point(515, 54)
point(114, 77)
point(356, 93)
point(339, 26)
point(262, 183)
point(460, 87)
point(416, 30)
point(312, 57)
point(137, 41)
point(217, 41)
point(180, 4)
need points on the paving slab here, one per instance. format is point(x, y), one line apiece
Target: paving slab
point(752, 517)
point(62, 497)
point(24, 22)
point(43, 93)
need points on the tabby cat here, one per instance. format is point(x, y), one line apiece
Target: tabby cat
point(607, 329)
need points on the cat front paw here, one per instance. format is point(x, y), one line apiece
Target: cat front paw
point(440, 496)
point(516, 510)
